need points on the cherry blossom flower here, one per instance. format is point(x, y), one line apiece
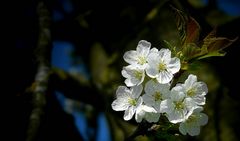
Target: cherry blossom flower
point(128, 100)
point(193, 123)
point(155, 93)
point(161, 66)
point(134, 75)
point(177, 108)
point(138, 57)
point(148, 113)
point(195, 90)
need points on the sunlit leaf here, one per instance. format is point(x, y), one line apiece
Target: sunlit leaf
point(191, 50)
point(193, 30)
point(181, 24)
point(166, 44)
point(187, 26)
point(213, 46)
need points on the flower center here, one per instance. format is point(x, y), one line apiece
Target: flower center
point(138, 74)
point(157, 96)
point(179, 105)
point(132, 101)
point(142, 60)
point(162, 66)
point(191, 92)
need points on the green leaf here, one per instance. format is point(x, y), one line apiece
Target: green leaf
point(166, 44)
point(213, 46)
point(187, 26)
point(190, 51)
point(180, 23)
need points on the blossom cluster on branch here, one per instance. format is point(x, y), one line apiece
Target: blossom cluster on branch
point(148, 93)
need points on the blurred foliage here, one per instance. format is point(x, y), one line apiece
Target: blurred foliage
point(102, 31)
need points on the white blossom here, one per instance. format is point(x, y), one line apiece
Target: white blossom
point(195, 90)
point(134, 75)
point(161, 66)
point(138, 57)
point(155, 93)
point(148, 113)
point(177, 108)
point(128, 100)
point(193, 123)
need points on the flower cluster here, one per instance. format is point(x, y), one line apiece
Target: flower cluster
point(148, 92)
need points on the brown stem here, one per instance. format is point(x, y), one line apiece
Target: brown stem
point(42, 53)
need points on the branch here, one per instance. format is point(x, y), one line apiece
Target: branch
point(42, 53)
point(76, 87)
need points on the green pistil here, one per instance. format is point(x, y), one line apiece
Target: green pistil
point(191, 92)
point(162, 66)
point(142, 60)
point(138, 74)
point(133, 102)
point(179, 105)
point(157, 96)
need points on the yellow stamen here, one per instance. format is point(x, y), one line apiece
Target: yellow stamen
point(132, 101)
point(157, 96)
point(142, 60)
point(162, 66)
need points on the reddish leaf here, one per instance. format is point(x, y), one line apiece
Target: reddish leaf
point(213, 46)
point(193, 30)
point(187, 26)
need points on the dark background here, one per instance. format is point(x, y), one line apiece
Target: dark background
point(118, 26)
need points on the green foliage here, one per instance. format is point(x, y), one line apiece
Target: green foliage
point(190, 48)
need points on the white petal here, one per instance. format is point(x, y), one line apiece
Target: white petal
point(125, 72)
point(139, 102)
point(119, 105)
point(201, 88)
point(174, 65)
point(164, 77)
point(131, 82)
point(177, 94)
point(190, 106)
point(154, 50)
point(176, 116)
point(200, 100)
point(148, 100)
point(122, 92)
point(203, 119)
point(152, 117)
point(198, 109)
point(152, 71)
point(165, 54)
point(149, 87)
point(131, 56)
point(194, 131)
point(182, 128)
point(128, 114)
point(143, 47)
point(139, 115)
point(148, 109)
point(134, 75)
point(146, 112)
point(190, 81)
point(166, 106)
point(153, 57)
point(136, 91)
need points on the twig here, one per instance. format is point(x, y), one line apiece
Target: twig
point(41, 79)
